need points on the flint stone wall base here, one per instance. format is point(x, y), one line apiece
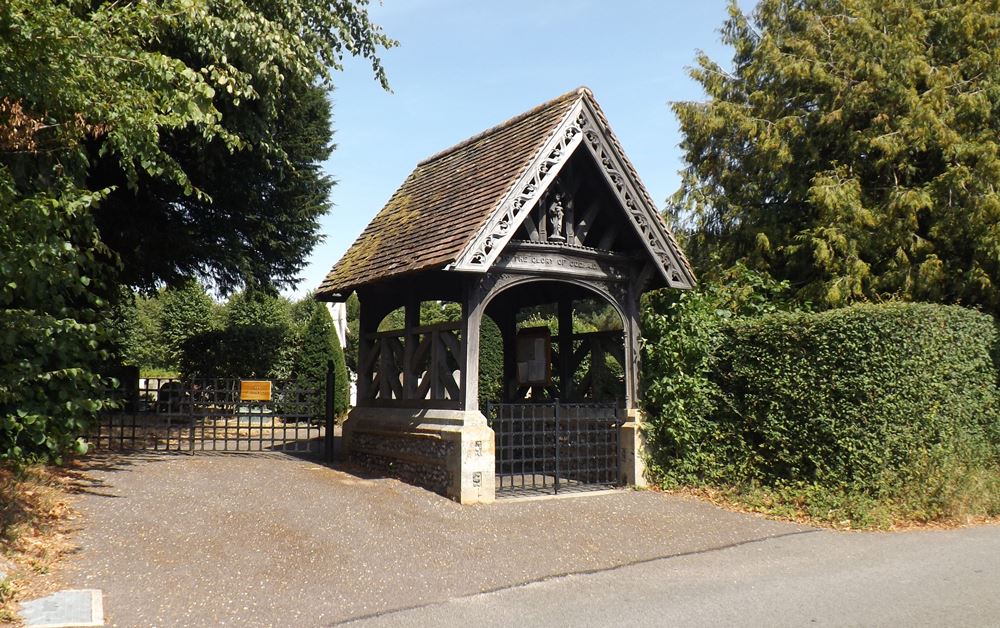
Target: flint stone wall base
point(451, 452)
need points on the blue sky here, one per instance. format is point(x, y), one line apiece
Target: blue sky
point(463, 66)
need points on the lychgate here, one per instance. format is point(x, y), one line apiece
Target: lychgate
point(542, 210)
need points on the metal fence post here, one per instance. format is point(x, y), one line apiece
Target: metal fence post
point(619, 452)
point(556, 487)
point(328, 453)
point(191, 416)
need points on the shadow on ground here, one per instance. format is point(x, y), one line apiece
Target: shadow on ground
point(273, 539)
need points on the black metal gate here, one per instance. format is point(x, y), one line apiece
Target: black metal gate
point(555, 447)
point(221, 414)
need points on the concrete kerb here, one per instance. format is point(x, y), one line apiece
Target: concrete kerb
point(65, 609)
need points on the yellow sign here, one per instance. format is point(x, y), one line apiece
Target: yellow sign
point(255, 390)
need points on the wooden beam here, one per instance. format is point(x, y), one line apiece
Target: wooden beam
point(437, 354)
point(543, 227)
point(410, 340)
point(531, 227)
point(420, 351)
point(425, 382)
point(644, 276)
point(468, 354)
point(451, 388)
point(396, 381)
point(608, 238)
point(385, 369)
point(570, 232)
point(369, 350)
point(565, 311)
point(582, 228)
point(366, 349)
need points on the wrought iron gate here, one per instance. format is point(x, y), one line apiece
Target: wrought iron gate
point(217, 414)
point(555, 447)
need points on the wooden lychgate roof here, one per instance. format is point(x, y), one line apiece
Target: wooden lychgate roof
point(458, 208)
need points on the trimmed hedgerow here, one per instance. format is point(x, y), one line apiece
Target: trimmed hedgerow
point(888, 409)
point(857, 397)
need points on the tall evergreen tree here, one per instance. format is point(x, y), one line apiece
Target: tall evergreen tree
point(257, 219)
point(319, 346)
point(353, 306)
point(852, 148)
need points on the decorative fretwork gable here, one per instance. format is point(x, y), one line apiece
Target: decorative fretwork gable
point(558, 165)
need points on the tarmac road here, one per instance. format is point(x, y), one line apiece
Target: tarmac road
point(939, 578)
point(255, 540)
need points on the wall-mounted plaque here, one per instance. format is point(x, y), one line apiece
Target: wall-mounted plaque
point(534, 356)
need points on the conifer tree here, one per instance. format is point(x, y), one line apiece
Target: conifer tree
point(187, 311)
point(319, 346)
point(852, 148)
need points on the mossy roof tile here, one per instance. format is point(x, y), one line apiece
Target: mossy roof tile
point(444, 202)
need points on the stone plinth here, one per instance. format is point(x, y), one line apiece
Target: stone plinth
point(632, 450)
point(450, 452)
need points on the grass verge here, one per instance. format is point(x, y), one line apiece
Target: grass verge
point(974, 499)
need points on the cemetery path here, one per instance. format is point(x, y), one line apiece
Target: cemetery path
point(269, 540)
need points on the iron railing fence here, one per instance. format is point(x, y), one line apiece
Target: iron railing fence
point(211, 414)
point(555, 447)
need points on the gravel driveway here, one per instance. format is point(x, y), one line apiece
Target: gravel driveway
point(279, 541)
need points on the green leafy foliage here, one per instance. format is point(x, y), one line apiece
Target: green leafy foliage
point(51, 343)
point(258, 232)
point(856, 397)
point(682, 334)
point(262, 335)
point(147, 348)
point(186, 311)
point(851, 148)
point(865, 413)
point(255, 340)
point(490, 363)
point(320, 346)
point(353, 323)
point(107, 103)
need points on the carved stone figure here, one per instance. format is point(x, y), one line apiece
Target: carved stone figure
point(556, 216)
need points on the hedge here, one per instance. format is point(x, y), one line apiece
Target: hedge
point(883, 401)
point(859, 397)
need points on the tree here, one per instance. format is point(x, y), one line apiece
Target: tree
point(187, 311)
point(259, 231)
point(490, 363)
point(319, 346)
point(353, 331)
point(93, 88)
point(260, 337)
point(853, 149)
point(51, 339)
point(255, 339)
point(148, 350)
